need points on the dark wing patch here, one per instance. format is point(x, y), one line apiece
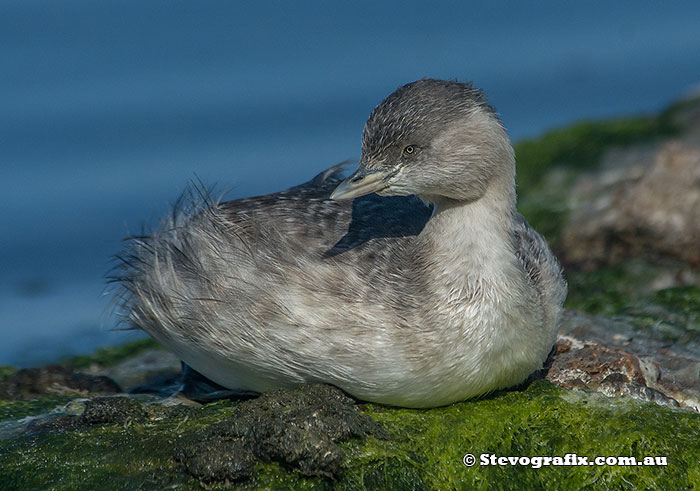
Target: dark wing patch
point(324, 226)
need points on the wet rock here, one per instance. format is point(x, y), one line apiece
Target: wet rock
point(643, 201)
point(109, 410)
point(597, 368)
point(93, 383)
point(298, 428)
point(151, 367)
point(618, 358)
point(30, 383)
point(64, 422)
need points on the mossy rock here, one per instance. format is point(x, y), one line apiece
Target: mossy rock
point(109, 356)
point(608, 290)
point(671, 315)
point(565, 152)
point(32, 407)
point(549, 166)
point(425, 448)
point(627, 290)
point(581, 146)
point(6, 371)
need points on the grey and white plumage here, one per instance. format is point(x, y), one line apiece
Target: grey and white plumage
point(395, 299)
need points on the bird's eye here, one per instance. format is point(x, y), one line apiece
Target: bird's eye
point(410, 149)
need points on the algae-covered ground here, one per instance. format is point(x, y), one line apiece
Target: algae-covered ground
point(62, 441)
point(424, 448)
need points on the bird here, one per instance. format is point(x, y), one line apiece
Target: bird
point(413, 282)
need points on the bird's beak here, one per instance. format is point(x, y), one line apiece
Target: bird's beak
point(363, 181)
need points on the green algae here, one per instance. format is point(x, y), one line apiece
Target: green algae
point(542, 421)
point(6, 372)
point(103, 458)
point(425, 450)
point(608, 290)
point(111, 355)
point(32, 407)
point(671, 315)
point(625, 290)
point(117, 456)
point(546, 212)
point(684, 298)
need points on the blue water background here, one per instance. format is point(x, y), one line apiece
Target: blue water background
point(108, 109)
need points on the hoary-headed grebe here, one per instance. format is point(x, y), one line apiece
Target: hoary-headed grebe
point(431, 291)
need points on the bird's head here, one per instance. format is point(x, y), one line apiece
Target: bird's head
point(433, 138)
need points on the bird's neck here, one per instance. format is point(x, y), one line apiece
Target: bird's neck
point(474, 238)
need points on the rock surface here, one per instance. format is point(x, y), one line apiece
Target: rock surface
point(642, 203)
point(30, 383)
point(618, 358)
